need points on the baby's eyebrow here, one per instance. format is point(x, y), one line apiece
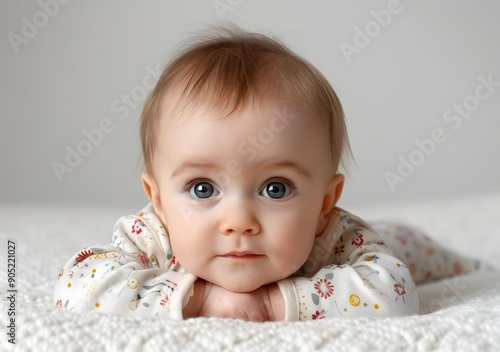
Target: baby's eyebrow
point(292, 165)
point(192, 165)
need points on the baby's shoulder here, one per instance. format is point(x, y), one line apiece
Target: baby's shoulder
point(145, 219)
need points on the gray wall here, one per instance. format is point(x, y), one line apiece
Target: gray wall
point(83, 65)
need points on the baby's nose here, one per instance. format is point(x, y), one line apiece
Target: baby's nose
point(229, 231)
point(239, 218)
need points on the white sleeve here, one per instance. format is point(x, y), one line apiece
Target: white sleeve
point(135, 275)
point(363, 279)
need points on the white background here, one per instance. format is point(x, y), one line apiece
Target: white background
point(87, 54)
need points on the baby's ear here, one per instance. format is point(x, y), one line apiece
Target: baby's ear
point(152, 192)
point(330, 199)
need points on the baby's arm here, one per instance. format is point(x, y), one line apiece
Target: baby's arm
point(134, 275)
point(363, 279)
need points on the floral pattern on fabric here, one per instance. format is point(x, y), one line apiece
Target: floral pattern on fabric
point(136, 274)
point(370, 270)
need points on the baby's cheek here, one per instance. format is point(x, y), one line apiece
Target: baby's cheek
point(185, 254)
point(190, 262)
point(291, 259)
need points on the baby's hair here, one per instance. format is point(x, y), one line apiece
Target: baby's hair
point(227, 68)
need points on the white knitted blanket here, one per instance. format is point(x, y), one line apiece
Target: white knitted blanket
point(461, 314)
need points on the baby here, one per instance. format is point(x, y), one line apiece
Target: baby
point(242, 141)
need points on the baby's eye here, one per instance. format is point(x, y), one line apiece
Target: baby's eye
point(203, 190)
point(276, 190)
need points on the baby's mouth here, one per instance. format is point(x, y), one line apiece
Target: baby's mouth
point(241, 255)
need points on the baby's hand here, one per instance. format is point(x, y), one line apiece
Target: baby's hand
point(264, 304)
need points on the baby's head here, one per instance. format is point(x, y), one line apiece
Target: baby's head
point(242, 140)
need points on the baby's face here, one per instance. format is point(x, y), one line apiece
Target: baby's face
point(241, 197)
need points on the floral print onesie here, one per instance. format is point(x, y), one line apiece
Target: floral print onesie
point(354, 269)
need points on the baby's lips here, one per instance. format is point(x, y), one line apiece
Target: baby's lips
point(241, 255)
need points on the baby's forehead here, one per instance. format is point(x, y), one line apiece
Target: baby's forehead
point(272, 113)
point(248, 139)
point(266, 125)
